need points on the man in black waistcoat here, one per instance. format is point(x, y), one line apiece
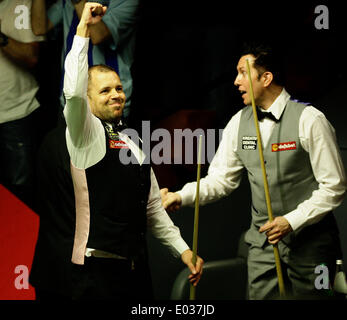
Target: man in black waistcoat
point(94, 209)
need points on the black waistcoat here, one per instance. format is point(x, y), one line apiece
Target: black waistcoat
point(118, 196)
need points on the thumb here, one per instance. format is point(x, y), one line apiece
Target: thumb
point(191, 267)
point(187, 259)
point(164, 191)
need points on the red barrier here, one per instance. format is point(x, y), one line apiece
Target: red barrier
point(18, 235)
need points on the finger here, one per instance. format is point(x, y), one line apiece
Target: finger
point(164, 190)
point(97, 11)
point(166, 204)
point(195, 280)
point(266, 227)
point(272, 232)
point(274, 237)
point(274, 241)
point(199, 265)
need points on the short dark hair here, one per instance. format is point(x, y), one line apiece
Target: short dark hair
point(100, 68)
point(268, 57)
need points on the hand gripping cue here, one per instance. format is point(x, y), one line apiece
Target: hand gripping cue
point(266, 186)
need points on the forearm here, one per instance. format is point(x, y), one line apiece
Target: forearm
point(315, 208)
point(24, 54)
point(223, 177)
point(160, 224)
point(39, 17)
point(82, 125)
point(211, 189)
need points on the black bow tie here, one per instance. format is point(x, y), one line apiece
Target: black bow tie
point(261, 115)
point(120, 126)
point(114, 129)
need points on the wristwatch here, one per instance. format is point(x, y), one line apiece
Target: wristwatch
point(3, 40)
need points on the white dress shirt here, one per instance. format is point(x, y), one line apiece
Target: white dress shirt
point(317, 137)
point(86, 143)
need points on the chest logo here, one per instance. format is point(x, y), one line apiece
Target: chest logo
point(114, 144)
point(283, 146)
point(249, 143)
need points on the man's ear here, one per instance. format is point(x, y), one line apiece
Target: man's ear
point(267, 77)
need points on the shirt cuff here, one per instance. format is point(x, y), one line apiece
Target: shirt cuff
point(296, 219)
point(188, 198)
point(180, 246)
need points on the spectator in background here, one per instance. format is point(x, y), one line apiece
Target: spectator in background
point(112, 39)
point(18, 104)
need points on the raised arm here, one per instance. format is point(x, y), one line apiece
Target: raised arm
point(82, 126)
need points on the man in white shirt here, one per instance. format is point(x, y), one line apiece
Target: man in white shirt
point(98, 220)
point(305, 175)
point(19, 49)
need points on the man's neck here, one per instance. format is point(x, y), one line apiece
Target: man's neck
point(270, 96)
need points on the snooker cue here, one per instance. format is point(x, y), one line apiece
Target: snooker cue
point(192, 292)
point(266, 186)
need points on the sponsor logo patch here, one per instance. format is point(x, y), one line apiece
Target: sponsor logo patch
point(249, 143)
point(283, 146)
point(118, 144)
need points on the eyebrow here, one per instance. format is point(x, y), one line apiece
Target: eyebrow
point(104, 88)
point(109, 87)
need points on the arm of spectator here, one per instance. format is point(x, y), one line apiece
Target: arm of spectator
point(24, 54)
point(40, 24)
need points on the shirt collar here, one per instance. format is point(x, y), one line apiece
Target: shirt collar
point(279, 104)
point(110, 124)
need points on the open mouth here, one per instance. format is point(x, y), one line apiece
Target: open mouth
point(243, 93)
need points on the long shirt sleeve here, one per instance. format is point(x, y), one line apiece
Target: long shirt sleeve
point(317, 137)
point(224, 173)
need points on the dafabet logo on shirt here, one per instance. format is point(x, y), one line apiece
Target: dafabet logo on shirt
point(283, 146)
point(118, 144)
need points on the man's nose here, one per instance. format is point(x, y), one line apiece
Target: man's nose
point(114, 94)
point(237, 81)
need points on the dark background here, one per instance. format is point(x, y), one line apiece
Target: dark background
point(185, 66)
